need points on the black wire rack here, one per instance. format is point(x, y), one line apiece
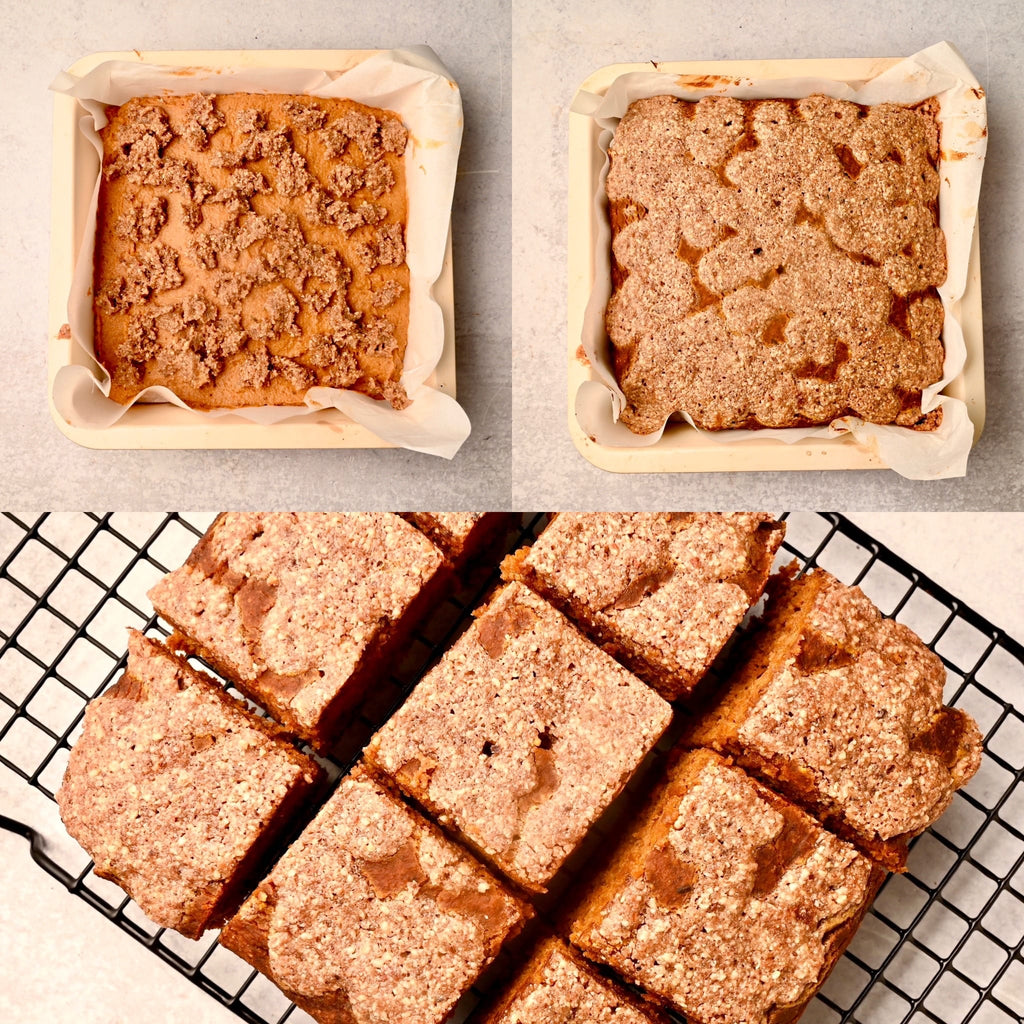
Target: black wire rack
point(942, 943)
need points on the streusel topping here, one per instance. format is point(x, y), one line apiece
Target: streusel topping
point(283, 217)
point(858, 707)
point(677, 584)
point(564, 992)
point(775, 261)
point(732, 911)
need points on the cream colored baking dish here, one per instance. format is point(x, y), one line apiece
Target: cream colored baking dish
point(75, 167)
point(682, 448)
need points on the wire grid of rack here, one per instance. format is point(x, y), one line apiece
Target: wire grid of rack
point(942, 942)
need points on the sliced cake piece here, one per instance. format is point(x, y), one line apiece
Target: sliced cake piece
point(373, 915)
point(521, 736)
point(661, 591)
point(462, 535)
point(725, 901)
point(177, 791)
point(556, 986)
point(302, 610)
point(841, 710)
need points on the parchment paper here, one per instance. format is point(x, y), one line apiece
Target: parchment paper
point(411, 82)
point(938, 71)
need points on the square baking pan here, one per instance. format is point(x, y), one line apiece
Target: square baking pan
point(682, 448)
point(161, 425)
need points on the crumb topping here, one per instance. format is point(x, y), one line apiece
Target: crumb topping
point(668, 588)
point(220, 195)
point(280, 308)
point(379, 178)
point(775, 261)
point(160, 737)
point(202, 119)
point(387, 294)
point(307, 115)
point(857, 706)
point(385, 248)
point(373, 906)
point(330, 588)
point(559, 990)
point(142, 221)
point(521, 735)
point(731, 915)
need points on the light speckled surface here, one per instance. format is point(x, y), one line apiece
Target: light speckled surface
point(518, 66)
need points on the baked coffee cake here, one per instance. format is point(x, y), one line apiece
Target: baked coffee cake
point(178, 792)
point(521, 736)
point(303, 611)
point(556, 986)
point(841, 709)
point(725, 901)
point(775, 262)
point(661, 591)
point(373, 915)
point(250, 247)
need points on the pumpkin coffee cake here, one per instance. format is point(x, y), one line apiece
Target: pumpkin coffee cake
point(724, 900)
point(775, 262)
point(249, 247)
point(841, 709)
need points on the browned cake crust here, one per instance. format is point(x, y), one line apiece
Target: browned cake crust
point(661, 591)
point(373, 915)
point(724, 900)
point(462, 535)
point(521, 736)
point(841, 709)
point(302, 610)
point(556, 986)
point(178, 792)
point(250, 247)
point(775, 262)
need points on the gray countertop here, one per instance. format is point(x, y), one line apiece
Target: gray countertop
point(518, 66)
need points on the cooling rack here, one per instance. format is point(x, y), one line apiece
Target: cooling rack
point(942, 942)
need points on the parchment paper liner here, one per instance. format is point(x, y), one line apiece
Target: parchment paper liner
point(937, 71)
point(413, 83)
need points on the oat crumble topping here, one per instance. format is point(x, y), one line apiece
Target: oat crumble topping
point(235, 199)
point(775, 261)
